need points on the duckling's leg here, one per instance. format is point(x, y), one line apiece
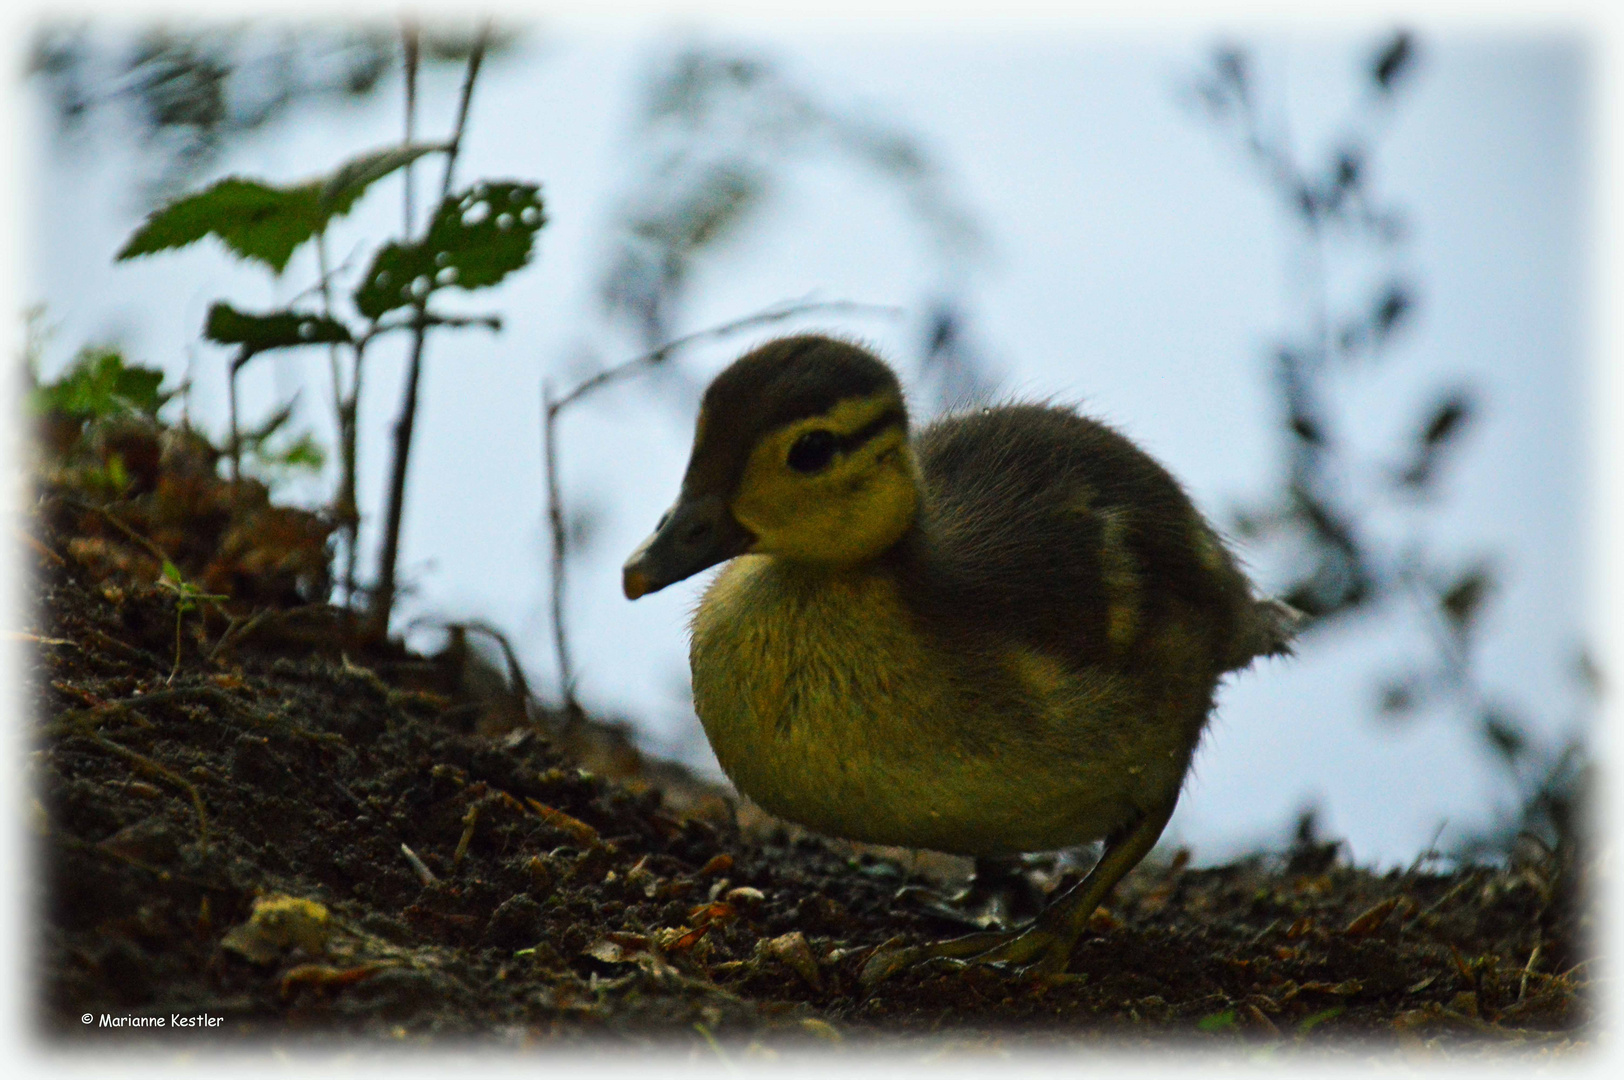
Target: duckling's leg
point(1045, 946)
point(999, 893)
point(1001, 888)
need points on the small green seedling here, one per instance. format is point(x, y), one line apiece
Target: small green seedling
point(187, 599)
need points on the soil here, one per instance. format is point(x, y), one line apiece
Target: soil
point(245, 811)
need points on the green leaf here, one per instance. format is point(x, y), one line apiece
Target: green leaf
point(477, 238)
point(99, 384)
point(226, 325)
point(267, 222)
point(111, 478)
point(1309, 1023)
point(254, 220)
point(303, 453)
point(1217, 1021)
point(351, 179)
point(186, 593)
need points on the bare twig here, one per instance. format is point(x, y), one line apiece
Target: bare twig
point(555, 519)
point(345, 509)
point(409, 38)
point(144, 762)
point(38, 545)
point(231, 403)
point(777, 313)
point(476, 57)
point(551, 407)
point(118, 523)
point(237, 629)
point(421, 868)
point(383, 596)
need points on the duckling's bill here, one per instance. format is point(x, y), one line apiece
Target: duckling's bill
point(698, 532)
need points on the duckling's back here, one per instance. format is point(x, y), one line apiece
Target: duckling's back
point(1050, 527)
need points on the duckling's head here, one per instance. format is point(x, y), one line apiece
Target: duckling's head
point(800, 451)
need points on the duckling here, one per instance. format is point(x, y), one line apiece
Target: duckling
point(1001, 634)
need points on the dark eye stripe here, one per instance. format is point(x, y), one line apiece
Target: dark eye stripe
point(815, 449)
point(892, 417)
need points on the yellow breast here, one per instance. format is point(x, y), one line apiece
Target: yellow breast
point(829, 704)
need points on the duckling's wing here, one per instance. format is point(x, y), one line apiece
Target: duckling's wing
point(1054, 530)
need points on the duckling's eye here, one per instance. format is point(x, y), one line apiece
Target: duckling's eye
point(813, 451)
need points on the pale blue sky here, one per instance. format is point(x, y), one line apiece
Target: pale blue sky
point(1134, 267)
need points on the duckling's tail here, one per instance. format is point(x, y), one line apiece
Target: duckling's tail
point(1270, 626)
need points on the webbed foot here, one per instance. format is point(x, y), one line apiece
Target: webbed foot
point(1035, 949)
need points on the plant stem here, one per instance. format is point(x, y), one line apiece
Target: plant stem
point(350, 428)
point(180, 613)
point(555, 518)
point(231, 404)
point(344, 504)
point(383, 596)
point(409, 47)
point(476, 57)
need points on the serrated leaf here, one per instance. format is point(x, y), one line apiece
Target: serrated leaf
point(346, 183)
point(1399, 697)
point(1232, 65)
point(226, 325)
point(1349, 167)
point(1588, 671)
point(1307, 430)
point(100, 384)
point(265, 222)
point(1461, 601)
point(1505, 733)
point(1395, 303)
point(254, 220)
point(1393, 60)
point(723, 199)
point(1448, 417)
point(477, 238)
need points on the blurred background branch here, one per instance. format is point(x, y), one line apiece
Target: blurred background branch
point(1323, 524)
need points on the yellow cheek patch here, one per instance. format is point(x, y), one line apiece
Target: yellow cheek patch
point(851, 511)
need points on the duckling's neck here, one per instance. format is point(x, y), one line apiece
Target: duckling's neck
point(913, 563)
